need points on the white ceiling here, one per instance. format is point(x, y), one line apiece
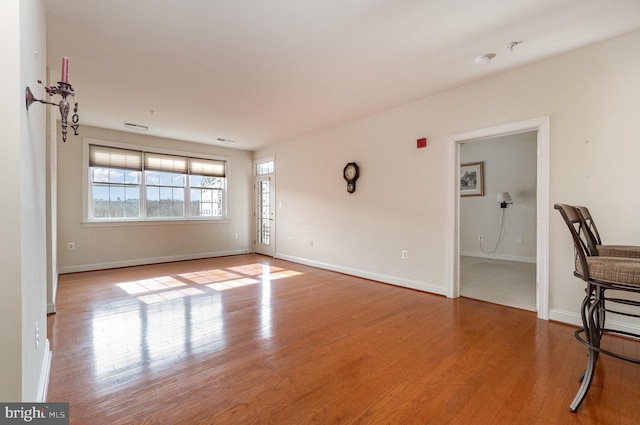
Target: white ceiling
point(265, 71)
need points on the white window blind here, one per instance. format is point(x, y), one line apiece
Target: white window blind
point(102, 156)
point(206, 167)
point(169, 163)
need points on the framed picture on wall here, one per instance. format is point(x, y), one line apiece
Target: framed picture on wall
point(472, 179)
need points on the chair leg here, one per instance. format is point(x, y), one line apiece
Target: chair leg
point(584, 313)
point(593, 318)
point(586, 381)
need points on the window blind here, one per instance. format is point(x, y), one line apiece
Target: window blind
point(169, 163)
point(207, 167)
point(102, 156)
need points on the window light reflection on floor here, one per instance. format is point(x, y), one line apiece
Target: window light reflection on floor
point(149, 285)
point(266, 311)
point(169, 295)
point(164, 288)
point(128, 340)
point(124, 340)
point(230, 284)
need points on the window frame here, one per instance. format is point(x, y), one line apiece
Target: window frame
point(87, 196)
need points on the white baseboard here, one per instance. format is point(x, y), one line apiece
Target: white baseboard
point(499, 257)
point(568, 317)
point(572, 318)
point(45, 373)
point(144, 261)
point(407, 283)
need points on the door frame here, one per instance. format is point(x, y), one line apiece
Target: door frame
point(542, 126)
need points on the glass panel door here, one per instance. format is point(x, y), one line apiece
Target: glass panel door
point(265, 223)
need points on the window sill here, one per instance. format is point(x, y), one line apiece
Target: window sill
point(128, 223)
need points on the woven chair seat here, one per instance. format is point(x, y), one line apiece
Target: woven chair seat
point(629, 251)
point(615, 270)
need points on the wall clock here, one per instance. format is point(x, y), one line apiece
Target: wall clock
point(351, 173)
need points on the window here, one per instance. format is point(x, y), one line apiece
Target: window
point(265, 167)
point(165, 182)
point(206, 180)
point(115, 182)
point(135, 185)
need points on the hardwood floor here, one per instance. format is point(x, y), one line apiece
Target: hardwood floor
point(252, 340)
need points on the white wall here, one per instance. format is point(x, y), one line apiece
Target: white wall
point(509, 166)
point(591, 97)
point(35, 360)
point(23, 237)
point(100, 246)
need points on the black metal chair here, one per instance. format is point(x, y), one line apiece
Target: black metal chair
point(595, 242)
point(601, 274)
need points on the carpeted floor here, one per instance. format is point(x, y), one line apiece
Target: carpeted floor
point(507, 283)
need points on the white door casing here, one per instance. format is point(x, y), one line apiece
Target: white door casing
point(542, 126)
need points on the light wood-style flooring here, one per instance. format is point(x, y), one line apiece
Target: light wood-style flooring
point(252, 340)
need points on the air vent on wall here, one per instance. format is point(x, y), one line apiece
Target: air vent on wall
point(136, 127)
point(221, 140)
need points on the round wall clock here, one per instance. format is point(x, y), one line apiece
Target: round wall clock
point(351, 173)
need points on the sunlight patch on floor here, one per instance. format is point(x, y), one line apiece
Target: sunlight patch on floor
point(165, 288)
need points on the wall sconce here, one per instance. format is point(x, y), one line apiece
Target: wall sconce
point(63, 89)
point(504, 198)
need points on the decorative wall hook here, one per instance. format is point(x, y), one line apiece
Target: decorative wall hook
point(63, 89)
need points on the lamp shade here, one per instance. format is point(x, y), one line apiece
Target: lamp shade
point(504, 197)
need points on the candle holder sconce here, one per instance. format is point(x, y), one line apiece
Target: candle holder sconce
point(63, 89)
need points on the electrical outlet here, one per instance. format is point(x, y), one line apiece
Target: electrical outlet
point(480, 238)
point(405, 254)
point(71, 246)
point(235, 236)
point(519, 239)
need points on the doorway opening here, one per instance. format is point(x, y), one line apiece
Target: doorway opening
point(498, 223)
point(459, 245)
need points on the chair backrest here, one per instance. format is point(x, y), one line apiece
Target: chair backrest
point(591, 225)
point(579, 234)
